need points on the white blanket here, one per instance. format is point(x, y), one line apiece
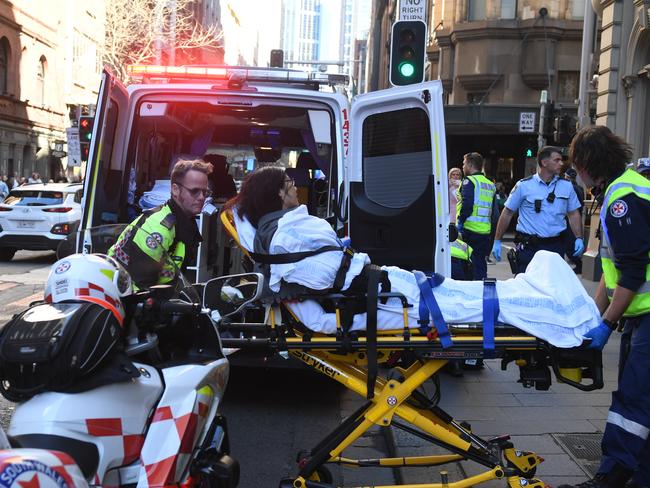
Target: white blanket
point(547, 301)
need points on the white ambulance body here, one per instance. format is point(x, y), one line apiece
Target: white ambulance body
point(375, 168)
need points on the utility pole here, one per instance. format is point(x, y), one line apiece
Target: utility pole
point(543, 100)
point(586, 59)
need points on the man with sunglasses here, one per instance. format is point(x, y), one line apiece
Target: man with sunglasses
point(154, 246)
point(543, 201)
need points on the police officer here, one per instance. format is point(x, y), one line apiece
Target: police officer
point(474, 211)
point(543, 200)
point(643, 167)
point(600, 158)
point(154, 246)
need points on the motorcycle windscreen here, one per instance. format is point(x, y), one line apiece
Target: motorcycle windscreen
point(392, 214)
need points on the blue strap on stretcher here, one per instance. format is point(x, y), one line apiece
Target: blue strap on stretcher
point(490, 315)
point(429, 306)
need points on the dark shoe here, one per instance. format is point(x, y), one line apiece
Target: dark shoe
point(616, 478)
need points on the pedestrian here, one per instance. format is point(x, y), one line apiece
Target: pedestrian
point(545, 202)
point(453, 181)
point(4, 189)
point(643, 167)
point(22, 181)
point(155, 246)
point(569, 238)
point(60, 177)
point(474, 211)
point(623, 294)
point(35, 178)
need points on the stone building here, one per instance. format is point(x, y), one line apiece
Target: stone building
point(49, 60)
point(494, 57)
point(624, 70)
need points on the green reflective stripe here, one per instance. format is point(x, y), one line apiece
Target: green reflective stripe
point(615, 187)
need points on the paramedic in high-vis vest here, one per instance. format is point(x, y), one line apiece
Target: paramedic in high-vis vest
point(154, 247)
point(474, 211)
point(623, 295)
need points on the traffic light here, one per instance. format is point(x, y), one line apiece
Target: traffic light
point(407, 46)
point(85, 134)
point(277, 58)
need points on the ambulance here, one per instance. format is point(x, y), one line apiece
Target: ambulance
point(374, 167)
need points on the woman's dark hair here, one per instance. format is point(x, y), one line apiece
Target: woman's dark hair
point(600, 152)
point(259, 194)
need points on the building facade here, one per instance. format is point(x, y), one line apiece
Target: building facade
point(48, 64)
point(494, 58)
point(624, 70)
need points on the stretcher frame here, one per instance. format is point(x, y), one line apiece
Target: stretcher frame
point(396, 401)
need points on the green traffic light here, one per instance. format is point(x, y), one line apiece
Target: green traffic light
point(529, 153)
point(406, 69)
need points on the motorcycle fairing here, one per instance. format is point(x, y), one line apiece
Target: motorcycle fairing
point(113, 417)
point(191, 397)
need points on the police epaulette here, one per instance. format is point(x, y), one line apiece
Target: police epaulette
point(526, 178)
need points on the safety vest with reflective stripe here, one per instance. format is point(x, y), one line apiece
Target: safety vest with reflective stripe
point(629, 182)
point(480, 219)
point(461, 250)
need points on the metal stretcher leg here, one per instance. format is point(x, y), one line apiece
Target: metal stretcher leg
point(396, 403)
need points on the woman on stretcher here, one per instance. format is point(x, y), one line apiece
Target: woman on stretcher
point(547, 301)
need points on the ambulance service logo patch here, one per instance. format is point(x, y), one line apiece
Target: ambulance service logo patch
point(62, 267)
point(618, 209)
point(27, 473)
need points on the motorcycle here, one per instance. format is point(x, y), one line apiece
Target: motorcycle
point(124, 384)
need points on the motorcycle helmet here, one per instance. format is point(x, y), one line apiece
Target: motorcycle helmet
point(95, 278)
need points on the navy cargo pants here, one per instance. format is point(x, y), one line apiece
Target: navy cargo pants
point(626, 441)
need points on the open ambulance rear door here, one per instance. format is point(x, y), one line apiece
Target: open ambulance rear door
point(397, 178)
point(104, 173)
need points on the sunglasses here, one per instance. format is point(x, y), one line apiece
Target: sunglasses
point(196, 192)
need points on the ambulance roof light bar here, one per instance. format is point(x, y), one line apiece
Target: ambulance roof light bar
point(138, 72)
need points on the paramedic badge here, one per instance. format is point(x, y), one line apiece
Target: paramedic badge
point(62, 267)
point(618, 209)
point(157, 236)
point(152, 242)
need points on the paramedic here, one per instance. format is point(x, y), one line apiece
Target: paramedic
point(543, 201)
point(164, 236)
point(474, 211)
point(623, 294)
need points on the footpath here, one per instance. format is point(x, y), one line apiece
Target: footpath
point(563, 425)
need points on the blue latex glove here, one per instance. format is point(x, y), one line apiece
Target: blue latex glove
point(578, 247)
point(599, 335)
point(459, 227)
point(496, 250)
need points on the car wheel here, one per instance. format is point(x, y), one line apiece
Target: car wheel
point(7, 253)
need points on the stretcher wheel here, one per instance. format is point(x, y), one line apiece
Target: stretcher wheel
point(322, 474)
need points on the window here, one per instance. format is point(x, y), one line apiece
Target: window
point(396, 144)
point(4, 65)
point(40, 80)
point(567, 86)
point(508, 9)
point(476, 10)
point(477, 97)
point(578, 9)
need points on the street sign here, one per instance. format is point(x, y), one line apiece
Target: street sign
point(74, 149)
point(527, 122)
point(413, 10)
point(59, 154)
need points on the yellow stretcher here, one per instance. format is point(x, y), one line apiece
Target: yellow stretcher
point(394, 397)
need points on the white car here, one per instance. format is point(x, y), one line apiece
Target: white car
point(38, 217)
